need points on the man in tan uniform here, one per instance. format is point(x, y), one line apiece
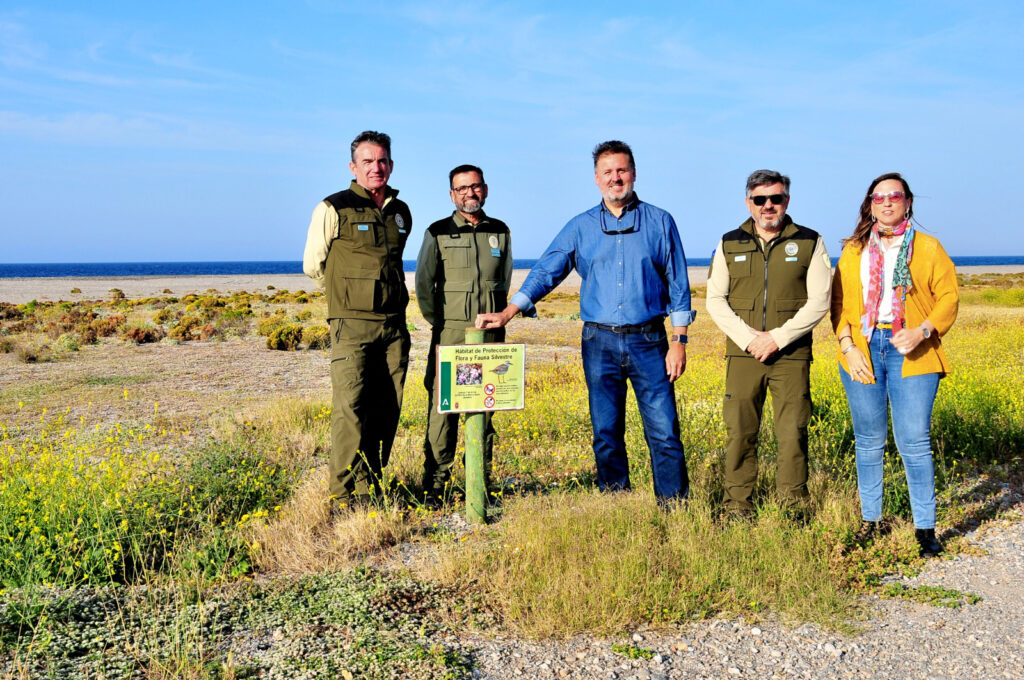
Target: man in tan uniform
point(768, 288)
point(354, 250)
point(464, 268)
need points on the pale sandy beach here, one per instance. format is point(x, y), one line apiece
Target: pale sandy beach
point(21, 290)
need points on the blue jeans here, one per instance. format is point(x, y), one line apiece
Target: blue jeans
point(609, 359)
point(911, 399)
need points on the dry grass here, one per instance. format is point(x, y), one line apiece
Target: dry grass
point(303, 539)
point(570, 562)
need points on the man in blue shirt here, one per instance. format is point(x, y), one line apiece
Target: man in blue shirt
point(633, 268)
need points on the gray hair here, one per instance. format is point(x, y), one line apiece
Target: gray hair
point(760, 178)
point(373, 137)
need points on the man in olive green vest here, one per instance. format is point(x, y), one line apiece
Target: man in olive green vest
point(464, 268)
point(768, 288)
point(354, 250)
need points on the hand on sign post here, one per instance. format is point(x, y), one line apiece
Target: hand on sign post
point(496, 319)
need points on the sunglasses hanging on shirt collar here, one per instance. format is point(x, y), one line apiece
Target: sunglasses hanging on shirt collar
point(624, 228)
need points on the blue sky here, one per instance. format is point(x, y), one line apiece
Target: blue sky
point(208, 131)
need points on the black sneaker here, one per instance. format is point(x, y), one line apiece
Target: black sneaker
point(930, 546)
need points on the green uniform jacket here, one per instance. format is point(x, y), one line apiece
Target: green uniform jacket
point(463, 271)
point(767, 287)
point(365, 278)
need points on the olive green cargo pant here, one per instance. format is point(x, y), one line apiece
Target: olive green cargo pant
point(443, 429)
point(369, 360)
point(747, 382)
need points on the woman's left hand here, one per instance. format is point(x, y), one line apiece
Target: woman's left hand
point(907, 339)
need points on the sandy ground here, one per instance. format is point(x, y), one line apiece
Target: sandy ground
point(21, 290)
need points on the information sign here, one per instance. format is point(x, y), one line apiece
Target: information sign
point(474, 378)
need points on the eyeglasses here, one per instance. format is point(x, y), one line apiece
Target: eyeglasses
point(776, 199)
point(894, 196)
point(476, 186)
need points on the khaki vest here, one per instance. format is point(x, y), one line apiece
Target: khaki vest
point(768, 287)
point(364, 275)
point(472, 277)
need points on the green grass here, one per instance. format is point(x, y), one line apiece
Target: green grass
point(933, 595)
point(92, 380)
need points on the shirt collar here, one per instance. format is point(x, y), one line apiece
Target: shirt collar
point(461, 222)
point(359, 189)
point(626, 223)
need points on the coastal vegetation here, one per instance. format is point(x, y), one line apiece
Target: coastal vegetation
point(141, 533)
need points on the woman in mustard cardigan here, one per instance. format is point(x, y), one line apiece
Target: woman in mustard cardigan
point(894, 295)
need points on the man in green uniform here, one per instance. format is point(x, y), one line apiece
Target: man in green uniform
point(464, 268)
point(768, 288)
point(354, 250)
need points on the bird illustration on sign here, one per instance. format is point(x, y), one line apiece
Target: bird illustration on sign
point(500, 370)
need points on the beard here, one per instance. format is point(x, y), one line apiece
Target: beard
point(770, 224)
point(618, 193)
point(470, 206)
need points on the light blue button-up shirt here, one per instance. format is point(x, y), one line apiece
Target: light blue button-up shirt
point(633, 267)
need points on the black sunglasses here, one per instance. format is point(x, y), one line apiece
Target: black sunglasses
point(776, 199)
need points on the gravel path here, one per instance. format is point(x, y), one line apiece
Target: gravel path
point(902, 639)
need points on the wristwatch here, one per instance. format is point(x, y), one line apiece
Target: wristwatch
point(680, 338)
point(927, 331)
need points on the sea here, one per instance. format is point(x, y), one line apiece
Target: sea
point(117, 269)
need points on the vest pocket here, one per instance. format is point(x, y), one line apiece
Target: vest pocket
point(363, 231)
point(786, 309)
point(744, 308)
point(739, 268)
point(456, 300)
point(360, 290)
point(455, 252)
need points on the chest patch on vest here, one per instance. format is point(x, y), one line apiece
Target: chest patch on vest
point(363, 227)
point(400, 221)
point(739, 258)
point(792, 248)
point(792, 259)
point(493, 241)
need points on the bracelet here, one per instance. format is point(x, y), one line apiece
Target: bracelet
point(852, 346)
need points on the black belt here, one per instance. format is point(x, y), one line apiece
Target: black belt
point(652, 326)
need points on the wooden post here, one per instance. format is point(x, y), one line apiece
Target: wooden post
point(476, 486)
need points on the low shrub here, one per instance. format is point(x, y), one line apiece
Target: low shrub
point(140, 335)
point(286, 337)
point(9, 311)
point(184, 330)
point(6, 346)
point(76, 290)
point(316, 337)
point(164, 315)
point(108, 325)
point(116, 294)
point(268, 325)
point(67, 342)
point(208, 331)
point(87, 335)
point(33, 352)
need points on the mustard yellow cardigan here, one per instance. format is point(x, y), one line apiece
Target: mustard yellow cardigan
point(935, 297)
